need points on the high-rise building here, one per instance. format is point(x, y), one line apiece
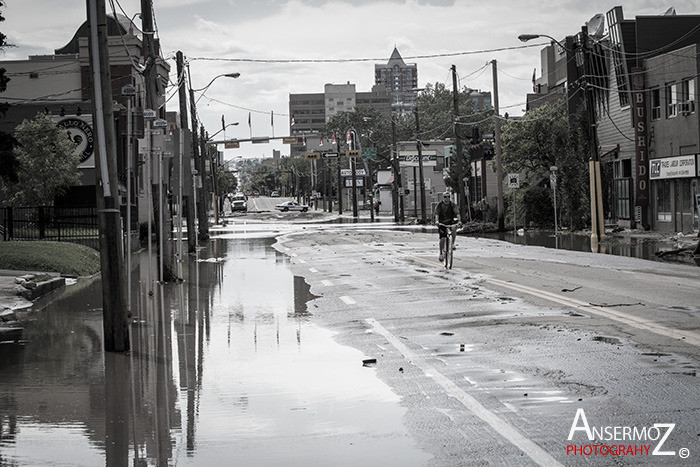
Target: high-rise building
point(400, 79)
point(310, 112)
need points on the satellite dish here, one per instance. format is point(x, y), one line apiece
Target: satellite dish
point(670, 12)
point(596, 26)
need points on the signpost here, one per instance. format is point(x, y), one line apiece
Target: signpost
point(553, 183)
point(514, 182)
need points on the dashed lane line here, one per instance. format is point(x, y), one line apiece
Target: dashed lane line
point(532, 450)
point(348, 300)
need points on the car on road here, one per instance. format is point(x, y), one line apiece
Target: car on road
point(238, 203)
point(275, 194)
point(292, 206)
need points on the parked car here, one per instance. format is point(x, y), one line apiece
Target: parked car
point(238, 203)
point(275, 194)
point(292, 206)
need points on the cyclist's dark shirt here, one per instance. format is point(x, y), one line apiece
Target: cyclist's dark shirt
point(447, 212)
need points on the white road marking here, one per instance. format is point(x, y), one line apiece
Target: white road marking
point(348, 300)
point(692, 338)
point(302, 261)
point(313, 270)
point(327, 283)
point(535, 452)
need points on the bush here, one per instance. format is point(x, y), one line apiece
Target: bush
point(538, 208)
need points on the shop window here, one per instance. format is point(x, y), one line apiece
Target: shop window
point(655, 104)
point(663, 201)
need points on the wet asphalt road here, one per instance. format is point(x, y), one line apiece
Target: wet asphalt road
point(350, 345)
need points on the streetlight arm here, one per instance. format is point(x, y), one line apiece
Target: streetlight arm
point(230, 124)
point(528, 37)
point(228, 75)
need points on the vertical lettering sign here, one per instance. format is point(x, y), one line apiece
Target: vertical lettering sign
point(641, 179)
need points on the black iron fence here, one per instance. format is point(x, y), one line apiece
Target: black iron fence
point(61, 224)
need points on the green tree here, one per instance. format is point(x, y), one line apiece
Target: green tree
point(227, 181)
point(543, 138)
point(8, 162)
point(48, 165)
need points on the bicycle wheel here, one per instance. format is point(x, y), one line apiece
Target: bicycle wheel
point(448, 252)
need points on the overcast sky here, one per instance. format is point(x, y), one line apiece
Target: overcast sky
point(212, 34)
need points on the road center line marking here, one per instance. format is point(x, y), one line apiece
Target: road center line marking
point(692, 338)
point(535, 452)
point(348, 300)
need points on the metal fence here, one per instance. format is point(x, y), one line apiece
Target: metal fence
point(61, 224)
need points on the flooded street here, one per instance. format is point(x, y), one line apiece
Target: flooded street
point(226, 368)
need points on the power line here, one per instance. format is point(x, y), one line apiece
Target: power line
point(354, 60)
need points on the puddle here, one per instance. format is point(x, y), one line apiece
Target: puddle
point(227, 365)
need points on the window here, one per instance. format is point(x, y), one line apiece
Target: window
point(671, 100)
point(655, 104)
point(687, 97)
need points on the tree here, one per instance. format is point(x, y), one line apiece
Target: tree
point(48, 164)
point(8, 162)
point(228, 183)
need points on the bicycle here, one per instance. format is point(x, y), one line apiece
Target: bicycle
point(448, 244)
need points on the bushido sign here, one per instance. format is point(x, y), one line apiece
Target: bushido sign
point(641, 182)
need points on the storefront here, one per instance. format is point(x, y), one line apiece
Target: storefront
point(675, 183)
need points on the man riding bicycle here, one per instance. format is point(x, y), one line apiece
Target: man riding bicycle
point(447, 214)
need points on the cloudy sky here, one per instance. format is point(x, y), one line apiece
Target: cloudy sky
point(215, 34)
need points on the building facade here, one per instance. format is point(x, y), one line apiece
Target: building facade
point(310, 112)
point(59, 85)
point(643, 73)
point(400, 79)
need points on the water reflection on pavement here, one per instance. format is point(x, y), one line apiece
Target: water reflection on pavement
point(226, 368)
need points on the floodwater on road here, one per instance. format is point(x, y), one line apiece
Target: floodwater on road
point(226, 368)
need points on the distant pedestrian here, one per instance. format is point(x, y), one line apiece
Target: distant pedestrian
point(376, 206)
point(485, 210)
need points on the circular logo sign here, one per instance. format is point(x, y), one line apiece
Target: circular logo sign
point(80, 132)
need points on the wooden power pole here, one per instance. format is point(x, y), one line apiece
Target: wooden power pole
point(462, 199)
point(114, 300)
point(182, 94)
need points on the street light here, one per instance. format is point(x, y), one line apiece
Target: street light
point(528, 37)
point(204, 89)
point(228, 125)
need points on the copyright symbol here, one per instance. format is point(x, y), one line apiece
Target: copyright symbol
point(683, 453)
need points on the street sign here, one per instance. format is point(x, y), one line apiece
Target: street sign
point(312, 155)
point(410, 158)
point(331, 154)
point(232, 144)
point(513, 180)
point(129, 90)
point(353, 153)
point(149, 113)
point(553, 180)
point(160, 123)
point(369, 153)
point(348, 172)
point(359, 182)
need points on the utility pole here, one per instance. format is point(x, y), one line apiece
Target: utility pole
point(189, 199)
point(114, 300)
point(597, 217)
point(420, 168)
point(395, 168)
point(497, 149)
point(458, 147)
point(153, 85)
point(340, 178)
point(199, 165)
point(352, 146)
